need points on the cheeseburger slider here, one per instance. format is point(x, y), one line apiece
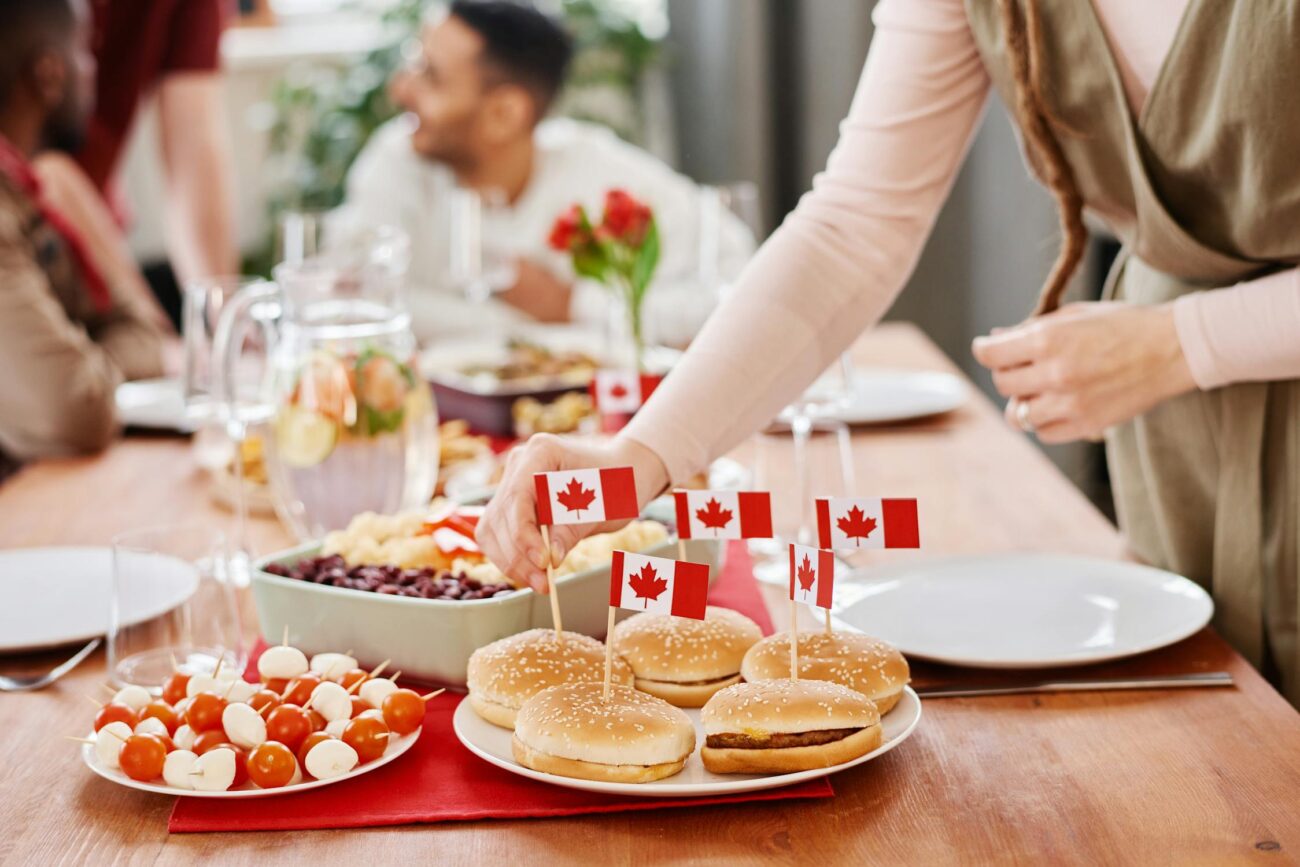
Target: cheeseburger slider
point(867, 665)
point(780, 726)
point(571, 731)
point(685, 661)
point(506, 673)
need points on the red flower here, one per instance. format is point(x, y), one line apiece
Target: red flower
point(625, 217)
point(567, 231)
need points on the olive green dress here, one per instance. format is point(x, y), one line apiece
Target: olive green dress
point(1203, 190)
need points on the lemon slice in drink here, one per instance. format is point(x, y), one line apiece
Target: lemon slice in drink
point(304, 437)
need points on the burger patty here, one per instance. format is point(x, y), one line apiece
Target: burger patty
point(777, 740)
point(691, 682)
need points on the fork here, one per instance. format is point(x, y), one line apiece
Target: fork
point(26, 684)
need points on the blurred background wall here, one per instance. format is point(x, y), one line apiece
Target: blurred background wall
point(726, 90)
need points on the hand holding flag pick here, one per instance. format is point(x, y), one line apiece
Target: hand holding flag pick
point(587, 496)
point(722, 515)
point(639, 582)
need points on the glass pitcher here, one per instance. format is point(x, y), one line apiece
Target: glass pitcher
point(353, 426)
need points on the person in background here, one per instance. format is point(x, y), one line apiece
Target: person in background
point(475, 99)
point(171, 48)
point(75, 320)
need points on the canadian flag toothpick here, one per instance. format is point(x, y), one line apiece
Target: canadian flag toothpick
point(655, 584)
point(723, 514)
point(659, 585)
point(581, 497)
point(867, 522)
point(622, 392)
point(812, 575)
point(586, 496)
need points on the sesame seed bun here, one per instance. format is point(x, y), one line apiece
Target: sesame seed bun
point(685, 661)
point(787, 710)
point(506, 673)
point(571, 731)
point(870, 666)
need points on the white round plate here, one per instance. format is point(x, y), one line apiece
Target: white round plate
point(492, 744)
point(881, 396)
point(1022, 610)
point(157, 404)
point(55, 596)
point(248, 790)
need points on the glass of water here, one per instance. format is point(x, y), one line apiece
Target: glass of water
point(173, 605)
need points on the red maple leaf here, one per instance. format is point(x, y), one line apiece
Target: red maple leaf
point(618, 390)
point(575, 497)
point(647, 585)
point(713, 515)
point(856, 525)
point(806, 574)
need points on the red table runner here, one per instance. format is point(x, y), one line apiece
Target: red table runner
point(440, 781)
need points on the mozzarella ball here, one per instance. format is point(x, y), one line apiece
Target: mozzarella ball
point(177, 767)
point(241, 690)
point(331, 701)
point(332, 666)
point(335, 727)
point(281, 662)
point(374, 691)
point(373, 713)
point(151, 726)
point(214, 771)
point(244, 726)
point(331, 758)
point(134, 697)
point(109, 741)
point(184, 737)
point(202, 683)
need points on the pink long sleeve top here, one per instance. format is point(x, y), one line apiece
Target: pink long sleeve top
point(839, 260)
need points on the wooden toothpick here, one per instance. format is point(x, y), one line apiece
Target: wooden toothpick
point(609, 653)
point(794, 641)
point(829, 631)
point(284, 639)
point(434, 694)
point(550, 584)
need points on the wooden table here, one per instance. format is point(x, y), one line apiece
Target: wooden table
point(1208, 775)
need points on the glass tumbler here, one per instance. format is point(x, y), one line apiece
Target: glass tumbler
point(173, 606)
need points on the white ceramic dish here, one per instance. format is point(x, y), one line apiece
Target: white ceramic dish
point(492, 744)
point(1022, 610)
point(396, 748)
point(157, 404)
point(55, 596)
point(882, 396)
point(431, 639)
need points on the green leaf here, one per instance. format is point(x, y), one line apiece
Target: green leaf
point(647, 259)
point(589, 260)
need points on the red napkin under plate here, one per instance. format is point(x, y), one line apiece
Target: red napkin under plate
point(441, 781)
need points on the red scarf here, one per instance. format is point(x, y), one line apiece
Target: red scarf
point(14, 166)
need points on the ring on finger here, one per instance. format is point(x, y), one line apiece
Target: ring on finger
point(1022, 416)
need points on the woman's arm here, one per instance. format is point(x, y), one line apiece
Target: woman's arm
point(1245, 333)
point(829, 272)
point(839, 260)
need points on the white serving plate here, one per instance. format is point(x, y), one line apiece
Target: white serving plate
point(396, 747)
point(1022, 610)
point(492, 744)
point(55, 596)
point(157, 404)
point(882, 396)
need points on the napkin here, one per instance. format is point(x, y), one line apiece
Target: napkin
point(439, 780)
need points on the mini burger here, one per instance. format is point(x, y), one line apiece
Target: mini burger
point(685, 661)
point(781, 726)
point(867, 665)
point(573, 732)
point(506, 673)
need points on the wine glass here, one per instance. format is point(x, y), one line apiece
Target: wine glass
point(475, 267)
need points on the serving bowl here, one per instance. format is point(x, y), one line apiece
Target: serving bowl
point(431, 639)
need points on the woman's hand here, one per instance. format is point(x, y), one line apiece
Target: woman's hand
point(508, 532)
point(1086, 367)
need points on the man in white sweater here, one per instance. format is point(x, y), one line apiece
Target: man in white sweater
point(475, 98)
